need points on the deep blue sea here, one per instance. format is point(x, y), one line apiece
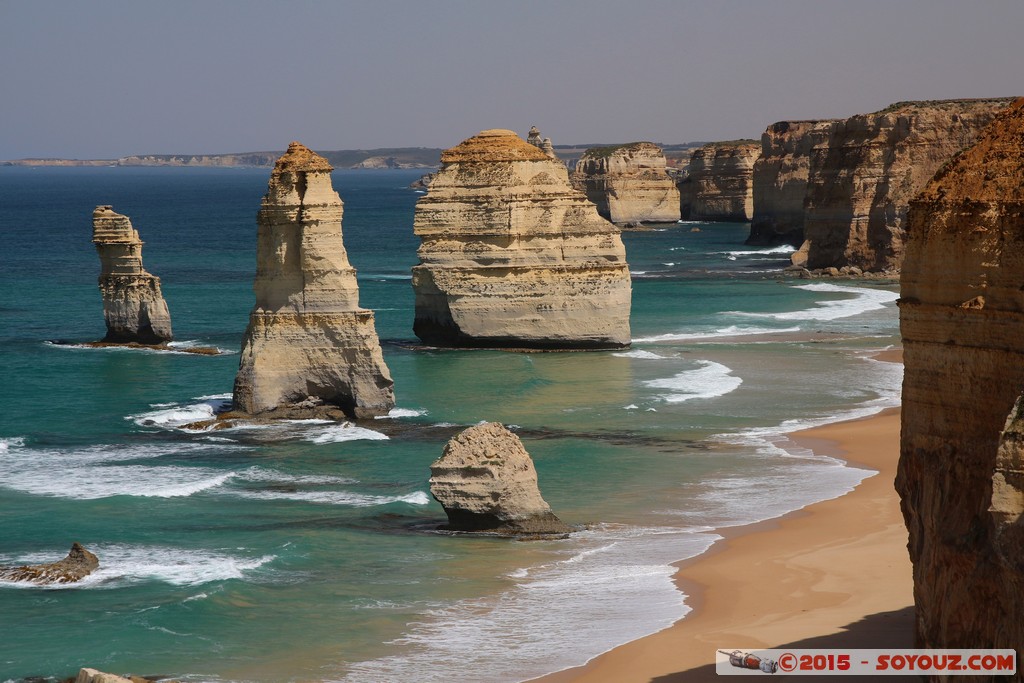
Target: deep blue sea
point(303, 551)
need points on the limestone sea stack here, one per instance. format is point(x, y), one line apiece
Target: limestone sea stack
point(486, 481)
point(76, 566)
point(307, 336)
point(780, 180)
point(628, 183)
point(718, 183)
point(860, 184)
point(133, 305)
point(961, 470)
point(513, 256)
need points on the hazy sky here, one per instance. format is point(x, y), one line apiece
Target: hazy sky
point(108, 78)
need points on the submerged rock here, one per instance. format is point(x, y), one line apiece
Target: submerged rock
point(76, 566)
point(628, 183)
point(486, 481)
point(513, 256)
point(307, 336)
point(961, 469)
point(133, 306)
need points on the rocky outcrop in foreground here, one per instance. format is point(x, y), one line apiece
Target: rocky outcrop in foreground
point(717, 185)
point(133, 305)
point(76, 566)
point(308, 341)
point(513, 256)
point(961, 470)
point(780, 180)
point(486, 481)
point(628, 183)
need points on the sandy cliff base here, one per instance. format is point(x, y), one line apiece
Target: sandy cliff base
point(834, 575)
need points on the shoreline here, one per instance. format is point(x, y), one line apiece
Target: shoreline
point(834, 574)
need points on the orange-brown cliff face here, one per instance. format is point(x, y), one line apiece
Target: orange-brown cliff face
point(961, 471)
point(861, 182)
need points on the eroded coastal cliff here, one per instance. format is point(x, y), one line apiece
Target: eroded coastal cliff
point(512, 255)
point(779, 180)
point(308, 341)
point(628, 183)
point(961, 470)
point(133, 305)
point(718, 182)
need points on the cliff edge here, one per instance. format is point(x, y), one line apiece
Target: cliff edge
point(961, 477)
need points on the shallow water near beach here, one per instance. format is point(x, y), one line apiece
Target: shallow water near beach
point(305, 551)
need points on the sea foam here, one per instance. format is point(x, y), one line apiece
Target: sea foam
point(865, 300)
point(710, 380)
point(615, 579)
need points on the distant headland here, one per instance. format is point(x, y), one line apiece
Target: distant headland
point(383, 157)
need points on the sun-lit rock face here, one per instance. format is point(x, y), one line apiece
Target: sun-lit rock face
point(486, 481)
point(512, 256)
point(961, 471)
point(718, 185)
point(628, 183)
point(133, 305)
point(307, 335)
point(861, 182)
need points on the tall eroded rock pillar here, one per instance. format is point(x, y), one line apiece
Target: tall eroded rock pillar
point(307, 335)
point(133, 306)
point(512, 255)
point(961, 471)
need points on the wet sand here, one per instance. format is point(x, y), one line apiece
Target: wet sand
point(833, 575)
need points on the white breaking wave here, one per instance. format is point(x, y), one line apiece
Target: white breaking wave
point(784, 249)
point(865, 300)
point(616, 580)
point(708, 381)
point(730, 331)
point(637, 353)
point(401, 412)
point(347, 498)
point(177, 415)
point(343, 432)
point(125, 565)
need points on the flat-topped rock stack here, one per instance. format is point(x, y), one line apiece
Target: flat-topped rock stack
point(308, 340)
point(718, 184)
point(961, 470)
point(628, 183)
point(513, 256)
point(133, 305)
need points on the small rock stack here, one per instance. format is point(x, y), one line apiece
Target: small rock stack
point(133, 305)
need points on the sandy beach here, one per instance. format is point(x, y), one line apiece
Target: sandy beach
point(833, 575)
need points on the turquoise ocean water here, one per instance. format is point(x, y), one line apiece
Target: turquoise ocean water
point(306, 551)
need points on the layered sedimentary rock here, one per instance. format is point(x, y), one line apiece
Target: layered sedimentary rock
point(860, 184)
point(486, 481)
point(961, 471)
point(76, 566)
point(543, 144)
point(718, 183)
point(628, 183)
point(513, 256)
point(133, 305)
point(780, 180)
point(307, 336)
